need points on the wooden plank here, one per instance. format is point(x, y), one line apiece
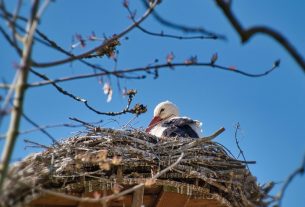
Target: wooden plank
point(137, 197)
point(50, 200)
point(119, 202)
point(204, 203)
point(171, 199)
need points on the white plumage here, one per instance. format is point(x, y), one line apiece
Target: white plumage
point(167, 123)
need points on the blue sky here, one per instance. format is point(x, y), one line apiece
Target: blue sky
point(269, 109)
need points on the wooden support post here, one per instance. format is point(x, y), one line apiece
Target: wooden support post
point(137, 197)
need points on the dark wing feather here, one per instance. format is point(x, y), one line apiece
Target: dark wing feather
point(179, 127)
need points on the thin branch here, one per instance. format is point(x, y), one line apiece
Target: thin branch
point(28, 119)
point(241, 152)
point(155, 67)
point(200, 141)
point(10, 94)
point(36, 144)
point(55, 46)
point(183, 28)
point(162, 34)
point(299, 171)
point(50, 126)
point(100, 47)
point(138, 108)
point(247, 34)
point(10, 41)
point(12, 23)
point(91, 126)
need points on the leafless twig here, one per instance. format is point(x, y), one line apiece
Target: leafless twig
point(241, 152)
point(108, 41)
point(38, 127)
point(157, 67)
point(247, 34)
point(299, 171)
point(36, 144)
point(138, 108)
point(162, 34)
point(183, 28)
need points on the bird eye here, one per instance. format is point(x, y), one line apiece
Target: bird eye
point(162, 110)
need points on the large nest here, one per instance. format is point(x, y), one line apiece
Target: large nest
point(108, 156)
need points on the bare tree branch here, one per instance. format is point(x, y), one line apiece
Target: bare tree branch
point(247, 34)
point(10, 41)
point(162, 34)
point(138, 108)
point(100, 47)
point(299, 171)
point(38, 127)
point(183, 28)
point(155, 67)
point(20, 88)
point(50, 126)
point(241, 152)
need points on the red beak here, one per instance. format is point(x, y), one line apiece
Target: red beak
point(153, 123)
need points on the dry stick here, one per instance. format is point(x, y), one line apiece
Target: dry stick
point(199, 141)
point(20, 89)
point(237, 143)
point(86, 54)
point(38, 127)
point(37, 144)
point(91, 126)
point(246, 34)
point(299, 171)
point(154, 67)
point(106, 199)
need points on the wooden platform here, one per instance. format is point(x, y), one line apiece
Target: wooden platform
point(148, 197)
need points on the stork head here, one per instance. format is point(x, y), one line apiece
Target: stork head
point(163, 112)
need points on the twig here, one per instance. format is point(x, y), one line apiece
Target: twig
point(183, 28)
point(241, 152)
point(108, 41)
point(35, 143)
point(38, 127)
point(155, 67)
point(10, 41)
point(199, 141)
point(9, 94)
point(247, 34)
point(299, 171)
point(82, 122)
point(168, 35)
point(55, 46)
point(79, 99)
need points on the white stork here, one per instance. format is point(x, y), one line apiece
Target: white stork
point(167, 123)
